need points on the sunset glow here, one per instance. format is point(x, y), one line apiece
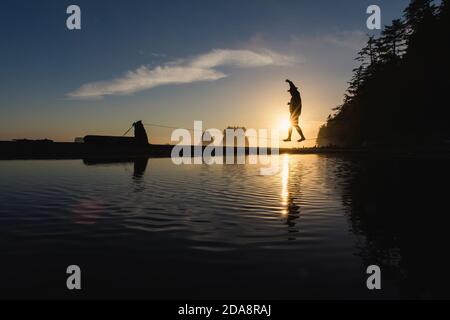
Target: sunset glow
point(284, 124)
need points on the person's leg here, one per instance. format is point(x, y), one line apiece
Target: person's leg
point(300, 132)
point(289, 135)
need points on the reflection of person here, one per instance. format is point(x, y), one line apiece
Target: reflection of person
point(295, 107)
point(140, 165)
point(293, 215)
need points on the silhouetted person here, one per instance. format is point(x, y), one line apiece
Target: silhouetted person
point(295, 107)
point(140, 135)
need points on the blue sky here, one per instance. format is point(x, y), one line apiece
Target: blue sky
point(173, 62)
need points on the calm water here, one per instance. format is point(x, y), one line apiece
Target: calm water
point(150, 229)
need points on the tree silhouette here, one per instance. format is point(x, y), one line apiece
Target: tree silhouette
point(396, 96)
point(392, 42)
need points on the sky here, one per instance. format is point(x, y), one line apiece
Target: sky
point(174, 62)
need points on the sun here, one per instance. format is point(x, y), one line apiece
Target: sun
point(284, 124)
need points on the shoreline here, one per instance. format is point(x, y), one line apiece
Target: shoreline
point(11, 150)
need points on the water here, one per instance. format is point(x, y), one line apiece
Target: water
point(149, 229)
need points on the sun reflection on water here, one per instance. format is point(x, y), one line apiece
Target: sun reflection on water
point(284, 183)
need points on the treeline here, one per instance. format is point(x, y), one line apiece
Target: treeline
point(399, 95)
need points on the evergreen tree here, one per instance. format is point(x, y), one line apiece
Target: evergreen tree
point(397, 97)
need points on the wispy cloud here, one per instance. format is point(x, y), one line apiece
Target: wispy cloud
point(200, 68)
point(353, 40)
point(349, 40)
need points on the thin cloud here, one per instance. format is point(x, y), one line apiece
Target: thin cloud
point(353, 40)
point(350, 40)
point(200, 68)
point(241, 58)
